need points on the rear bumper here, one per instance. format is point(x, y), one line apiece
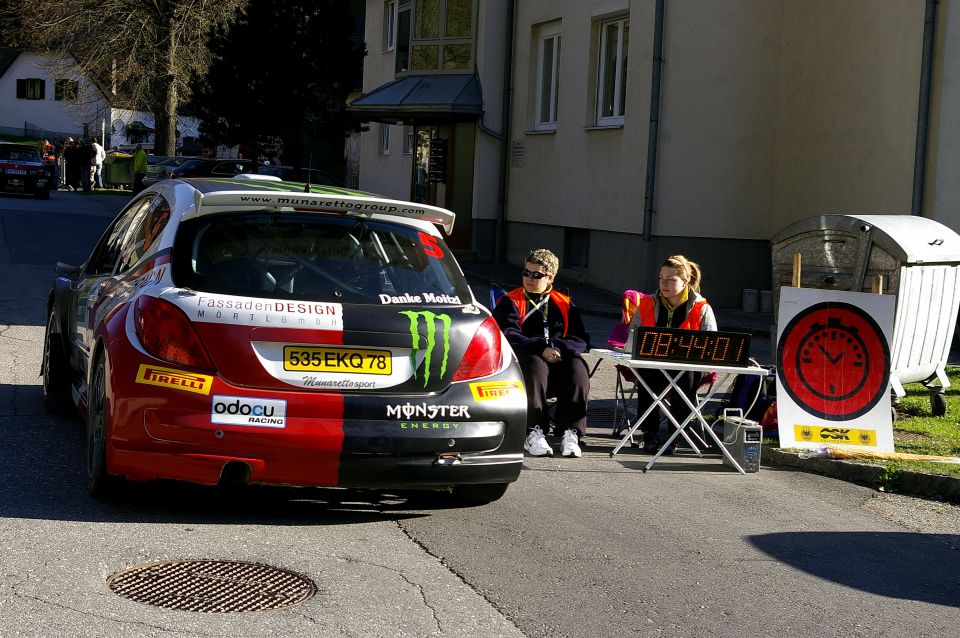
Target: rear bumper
point(317, 438)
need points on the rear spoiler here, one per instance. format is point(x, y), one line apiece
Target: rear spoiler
point(358, 206)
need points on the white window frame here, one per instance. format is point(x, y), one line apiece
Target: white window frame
point(384, 144)
point(550, 123)
point(619, 104)
point(389, 25)
point(408, 140)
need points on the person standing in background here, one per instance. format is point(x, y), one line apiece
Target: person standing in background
point(99, 154)
point(139, 168)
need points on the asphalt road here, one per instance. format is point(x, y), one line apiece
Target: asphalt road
point(588, 547)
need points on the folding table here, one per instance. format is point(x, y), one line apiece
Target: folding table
point(672, 371)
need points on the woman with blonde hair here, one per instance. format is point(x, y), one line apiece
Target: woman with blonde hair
point(676, 304)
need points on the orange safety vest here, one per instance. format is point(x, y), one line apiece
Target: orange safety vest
point(647, 309)
point(561, 300)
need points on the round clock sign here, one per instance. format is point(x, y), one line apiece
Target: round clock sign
point(834, 361)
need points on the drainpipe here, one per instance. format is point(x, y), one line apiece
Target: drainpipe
point(654, 123)
point(500, 240)
point(923, 111)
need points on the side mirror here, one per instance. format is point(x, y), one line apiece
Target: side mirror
point(66, 269)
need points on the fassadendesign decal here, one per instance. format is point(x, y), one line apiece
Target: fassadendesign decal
point(490, 390)
point(430, 347)
point(425, 297)
point(251, 411)
point(409, 410)
point(176, 379)
point(252, 311)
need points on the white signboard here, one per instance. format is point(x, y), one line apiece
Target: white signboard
point(833, 369)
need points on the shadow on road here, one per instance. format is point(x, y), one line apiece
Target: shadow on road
point(892, 564)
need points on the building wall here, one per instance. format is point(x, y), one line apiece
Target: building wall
point(50, 114)
point(771, 110)
point(942, 193)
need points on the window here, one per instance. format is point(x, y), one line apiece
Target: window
point(143, 232)
point(576, 248)
point(67, 90)
point(442, 35)
point(384, 139)
point(408, 140)
point(31, 88)
point(402, 58)
point(389, 25)
point(612, 72)
point(548, 81)
point(107, 253)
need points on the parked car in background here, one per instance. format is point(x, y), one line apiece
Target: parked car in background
point(243, 331)
point(202, 167)
point(291, 174)
point(161, 170)
point(22, 170)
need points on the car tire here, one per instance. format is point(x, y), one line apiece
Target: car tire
point(55, 372)
point(100, 484)
point(479, 494)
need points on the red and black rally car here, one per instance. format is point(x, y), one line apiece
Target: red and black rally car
point(245, 330)
point(22, 170)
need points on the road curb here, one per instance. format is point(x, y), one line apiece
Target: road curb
point(935, 486)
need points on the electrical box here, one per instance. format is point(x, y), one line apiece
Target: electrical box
point(743, 438)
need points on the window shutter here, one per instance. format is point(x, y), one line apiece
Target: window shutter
point(43, 89)
point(21, 88)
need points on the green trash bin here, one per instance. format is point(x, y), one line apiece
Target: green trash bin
point(116, 170)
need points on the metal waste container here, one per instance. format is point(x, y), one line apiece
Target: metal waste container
point(919, 260)
point(116, 170)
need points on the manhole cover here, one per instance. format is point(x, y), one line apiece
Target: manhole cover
point(212, 586)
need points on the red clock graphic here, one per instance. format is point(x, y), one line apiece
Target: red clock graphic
point(834, 361)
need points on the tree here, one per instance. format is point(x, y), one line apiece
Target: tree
point(284, 68)
point(144, 50)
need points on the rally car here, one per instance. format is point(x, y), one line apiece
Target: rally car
point(22, 170)
point(238, 330)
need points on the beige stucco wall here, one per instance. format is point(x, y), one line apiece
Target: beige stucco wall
point(942, 195)
point(771, 110)
point(846, 132)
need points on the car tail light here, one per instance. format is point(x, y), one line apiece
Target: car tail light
point(483, 356)
point(165, 332)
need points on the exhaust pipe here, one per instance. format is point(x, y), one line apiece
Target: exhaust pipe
point(235, 474)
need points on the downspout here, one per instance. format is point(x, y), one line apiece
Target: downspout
point(651, 183)
point(500, 240)
point(923, 110)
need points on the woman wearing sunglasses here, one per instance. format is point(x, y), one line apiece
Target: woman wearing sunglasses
point(676, 304)
point(548, 337)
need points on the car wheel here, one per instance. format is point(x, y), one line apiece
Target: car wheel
point(55, 372)
point(100, 485)
point(479, 494)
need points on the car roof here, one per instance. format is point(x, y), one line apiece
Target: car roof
point(212, 195)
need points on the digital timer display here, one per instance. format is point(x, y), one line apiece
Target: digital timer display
point(690, 346)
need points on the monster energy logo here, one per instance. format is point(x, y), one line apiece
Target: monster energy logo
point(430, 318)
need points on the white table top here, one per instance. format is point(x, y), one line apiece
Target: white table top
point(624, 359)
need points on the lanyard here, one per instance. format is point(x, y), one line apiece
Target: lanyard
point(544, 308)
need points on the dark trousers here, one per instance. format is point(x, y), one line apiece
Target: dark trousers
point(138, 182)
point(688, 383)
point(568, 380)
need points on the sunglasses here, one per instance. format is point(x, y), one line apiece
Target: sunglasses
point(533, 274)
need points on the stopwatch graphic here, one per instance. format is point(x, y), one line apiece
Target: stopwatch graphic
point(834, 361)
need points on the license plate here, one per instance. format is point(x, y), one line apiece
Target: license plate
point(16, 171)
point(349, 360)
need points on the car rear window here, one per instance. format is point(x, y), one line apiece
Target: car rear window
point(21, 154)
point(303, 256)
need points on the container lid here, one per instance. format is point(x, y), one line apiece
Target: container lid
point(909, 238)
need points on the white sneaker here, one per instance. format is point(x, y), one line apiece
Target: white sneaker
point(571, 444)
point(536, 444)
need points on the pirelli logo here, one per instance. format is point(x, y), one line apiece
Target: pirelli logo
point(495, 389)
point(176, 379)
